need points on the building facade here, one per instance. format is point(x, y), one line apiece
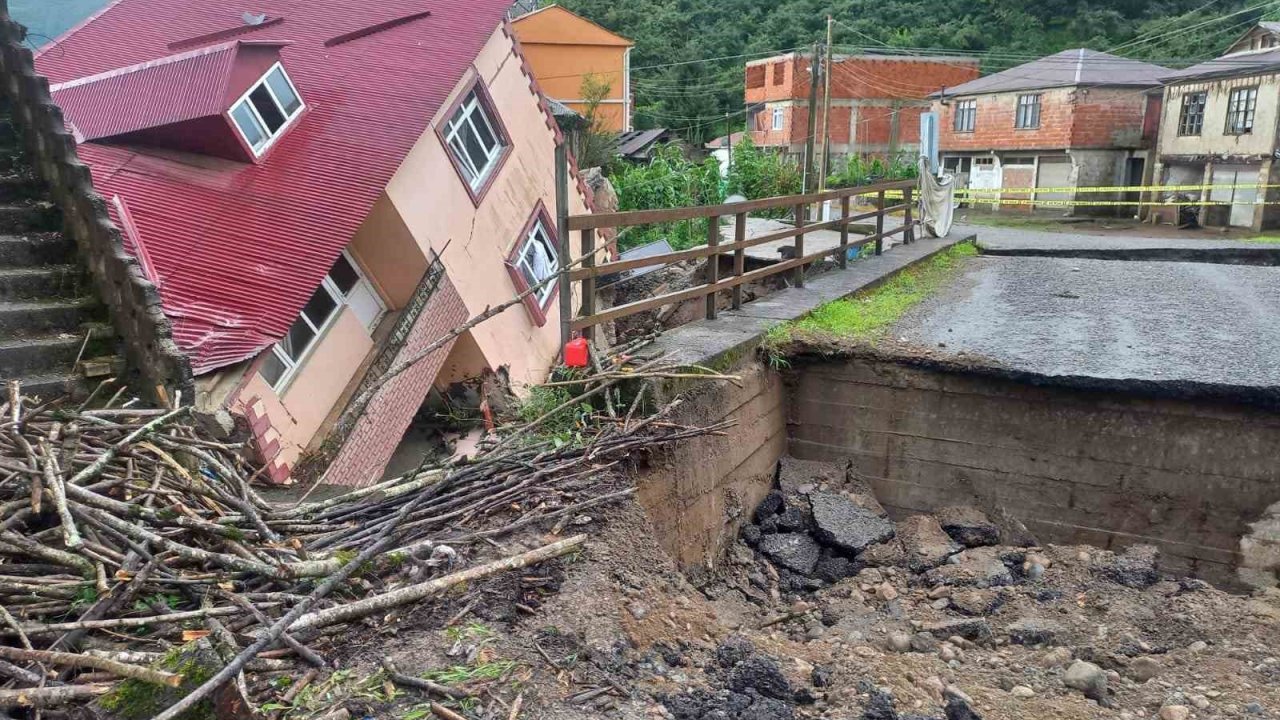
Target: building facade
point(1027, 137)
point(564, 50)
point(1221, 128)
point(314, 212)
point(876, 101)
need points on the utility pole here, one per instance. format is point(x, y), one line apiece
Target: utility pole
point(814, 77)
point(825, 156)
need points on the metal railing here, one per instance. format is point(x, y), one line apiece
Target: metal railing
point(586, 271)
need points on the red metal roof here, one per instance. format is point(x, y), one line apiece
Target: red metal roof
point(240, 247)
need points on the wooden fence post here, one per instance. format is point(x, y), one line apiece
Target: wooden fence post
point(562, 237)
point(589, 284)
point(844, 232)
point(713, 263)
point(880, 198)
point(799, 246)
point(739, 256)
point(908, 234)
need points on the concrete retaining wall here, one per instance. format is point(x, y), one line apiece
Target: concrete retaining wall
point(697, 494)
point(1076, 466)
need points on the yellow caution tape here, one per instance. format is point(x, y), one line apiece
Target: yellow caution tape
point(1117, 188)
point(1106, 203)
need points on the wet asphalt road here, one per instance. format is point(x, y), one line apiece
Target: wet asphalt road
point(1110, 319)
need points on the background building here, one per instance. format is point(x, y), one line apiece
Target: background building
point(876, 101)
point(563, 49)
point(1078, 118)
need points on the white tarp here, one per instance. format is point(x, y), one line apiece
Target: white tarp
point(937, 201)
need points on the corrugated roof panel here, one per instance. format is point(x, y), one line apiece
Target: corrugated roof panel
point(1066, 69)
point(240, 247)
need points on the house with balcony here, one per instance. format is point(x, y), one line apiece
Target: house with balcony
point(876, 101)
point(1028, 136)
point(1220, 129)
point(319, 191)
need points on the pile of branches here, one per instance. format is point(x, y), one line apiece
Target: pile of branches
point(127, 535)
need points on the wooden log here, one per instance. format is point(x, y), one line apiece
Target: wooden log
point(158, 677)
point(421, 591)
point(50, 696)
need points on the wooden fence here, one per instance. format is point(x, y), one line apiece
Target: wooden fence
point(587, 271)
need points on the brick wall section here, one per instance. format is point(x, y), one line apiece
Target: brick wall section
point(376, 434)
point(132, 300)
point(1095, 118)
point(854, 78)
point(1076, 466)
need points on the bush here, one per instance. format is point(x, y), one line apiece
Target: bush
point(668, 181)
point(857, 171)
point(756, 173)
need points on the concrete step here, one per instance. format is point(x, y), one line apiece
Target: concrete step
point(29, 216)
point(43, 317)
point(48, 282)
point(41, 354)
point(50, 386)
point(48, 248)
point(18, 186)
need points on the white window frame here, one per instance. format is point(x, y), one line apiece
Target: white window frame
point(291, 366)
point(1027, 113)
point(520, 259)
point(289, 119)
point(779, 119)
point(1242, 106)
point(966, 116)
point(473, 103)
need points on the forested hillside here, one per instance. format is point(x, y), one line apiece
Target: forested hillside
point(701, 99)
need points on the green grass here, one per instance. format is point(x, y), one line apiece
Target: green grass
point(1263, 239)
point(869, 314)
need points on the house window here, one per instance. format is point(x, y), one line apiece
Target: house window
point(778, 118)
point(475, 140)
point(1241, 106)
point(343, 286)
point(271, 104)
point(1028, 116)
point(1191, 120)
point(779, 73)
point(535, 260)
point(966, 116)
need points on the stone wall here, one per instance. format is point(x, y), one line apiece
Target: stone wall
point(1076, 466)
point(698, 493)
point(132, 300)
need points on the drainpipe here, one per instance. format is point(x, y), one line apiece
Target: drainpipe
point(626, 90)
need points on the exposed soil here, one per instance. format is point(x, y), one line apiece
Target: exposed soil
point(918, 626)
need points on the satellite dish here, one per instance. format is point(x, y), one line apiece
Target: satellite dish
point(254, 18)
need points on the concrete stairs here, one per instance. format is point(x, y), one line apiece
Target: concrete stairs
point(49, 316)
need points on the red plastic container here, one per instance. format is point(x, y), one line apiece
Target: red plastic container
point(576, 353)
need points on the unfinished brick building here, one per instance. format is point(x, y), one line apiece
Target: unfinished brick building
point(876, 101)
point(1078, 118)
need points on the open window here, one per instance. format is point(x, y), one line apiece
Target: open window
point(344, 286)
point(536, 260)
point(476, 139)
point(262, 114)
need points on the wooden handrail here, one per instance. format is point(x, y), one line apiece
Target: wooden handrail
point(648, 217)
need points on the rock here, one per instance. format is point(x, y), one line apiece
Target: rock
point(842, 524)
point(794, 519)
point(923, 642)
point(1144, 668)
point(979, 567)
point(886, 554)
point(880, 707)
point(1088, 678)
point(1175, 712)
point(866, 652)
point(751, 535)
point(1201, 702)
point(770, 506)
point(968, 526)
point(1033, 631)
point(1022, 692)
point(1198, 646)
point(766, 708)
point(734, 650)
point(637, 609)
point(821, 676)
point(834, 569)
point(926, 545)
point(1254, 708)
point(959, 706)
point(1136, 568)
point(972, 629)
point(794, 551)
point(886, 592)
point(1057, 657)
point(761, 674)
point(976, 603)
point(942, 591)
point(900, 642)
